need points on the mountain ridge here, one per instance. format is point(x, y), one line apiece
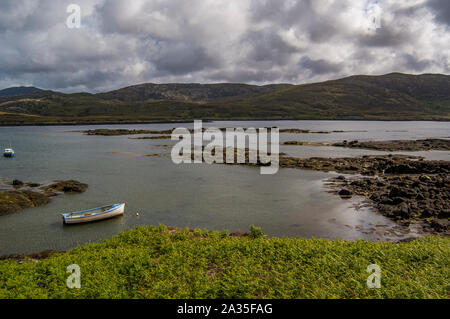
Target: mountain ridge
point(385, 97)
point(189, 92)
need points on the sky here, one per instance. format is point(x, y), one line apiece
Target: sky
point(123, 42)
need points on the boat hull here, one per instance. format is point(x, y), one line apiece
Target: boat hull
point(117, 211)
point(8, 154)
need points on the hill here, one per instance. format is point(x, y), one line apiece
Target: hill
point(19, 90)
point(190, 92)
point(393, 96)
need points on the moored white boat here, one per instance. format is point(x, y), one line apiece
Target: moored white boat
point(9, 152)
point(94, 214)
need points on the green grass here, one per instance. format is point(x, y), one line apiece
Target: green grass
point(156, 262)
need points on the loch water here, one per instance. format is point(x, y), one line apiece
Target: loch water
point(288, 204)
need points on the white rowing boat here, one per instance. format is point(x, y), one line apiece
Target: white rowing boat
point(94, 214)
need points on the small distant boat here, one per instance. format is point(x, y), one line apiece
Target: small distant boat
point(94, 214)
point(9, 152)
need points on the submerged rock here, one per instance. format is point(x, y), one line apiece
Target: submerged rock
point(32, 185)
point(69, 186)
point(116, 132)
point(12, 201)
point(345, 193)
point(17, 184)
point(160, 137)
point(399, 145)
point(439, 224)
point(369, 165)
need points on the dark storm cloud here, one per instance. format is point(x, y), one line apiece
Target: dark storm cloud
point(318, 19)
point(241, 75)
point(441, 9)
point(267, 46)
point(414, 63)
point(182, 58)
point(255, 41)
point(283, 13)
point(387, 37)
point(320, 66)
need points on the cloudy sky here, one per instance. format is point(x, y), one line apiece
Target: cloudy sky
point(125, 42)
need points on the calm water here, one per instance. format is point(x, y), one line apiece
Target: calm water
point(290, 203)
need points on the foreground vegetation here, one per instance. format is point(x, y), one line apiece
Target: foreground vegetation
point(161, 262)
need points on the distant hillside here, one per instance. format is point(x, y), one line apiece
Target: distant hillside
point(390, 96)
point(190, 92)
point(393, 96)
point(19, 90)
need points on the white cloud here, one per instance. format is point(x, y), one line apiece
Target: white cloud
point(257, 41)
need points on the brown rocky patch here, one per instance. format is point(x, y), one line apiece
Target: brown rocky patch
point(15, 200)
point(12, 201)
point(405, 199)
point(162, 137)
point(69, 186)
point(400, 145)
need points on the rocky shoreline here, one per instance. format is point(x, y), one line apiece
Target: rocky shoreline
point(385, 146)
point(403, 188)
point(35, 257)
point(161, 137)
point(405, 199)
point(368, 165)
point(400, 145)
point(13, 200)
point(301, 131)
point(301, 143)
point(117, 132)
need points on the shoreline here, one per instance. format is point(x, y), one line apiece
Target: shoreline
point(213, 120)
point(47, 253)
point(419, 145)
point(44, 254)
point(404, 189)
